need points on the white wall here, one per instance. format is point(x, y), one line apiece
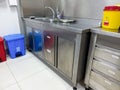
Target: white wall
point(9, 23)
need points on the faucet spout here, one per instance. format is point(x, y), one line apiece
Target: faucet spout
point(53, 12)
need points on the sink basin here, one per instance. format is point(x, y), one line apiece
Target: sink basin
point(67, 20)
point(42, 18)
point(46, 19)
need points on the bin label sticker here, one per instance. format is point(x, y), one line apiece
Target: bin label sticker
point(17, 49)
point(106, 23)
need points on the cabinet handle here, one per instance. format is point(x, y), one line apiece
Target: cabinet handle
point(107, 82)
point(111, 72)
point(106, 50)
point(48, 37)
point(115, 57)
point(49, 51)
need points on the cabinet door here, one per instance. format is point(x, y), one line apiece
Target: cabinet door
point(65, 56)
point(49, 48)
point(38, 40)
point(29, 38)
point(34, 40)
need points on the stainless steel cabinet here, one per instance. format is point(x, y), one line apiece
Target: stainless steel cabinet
point(38, 42)
point(66, 56)
point(98, 82)
point(29, 37)
point(103, 67)
point(107, 55)
point(107, 69)
point(64, 49)
point(49, 47)
point(41, 43)
point(34, 40)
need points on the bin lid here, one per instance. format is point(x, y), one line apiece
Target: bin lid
point(112, 8)
point(13, 37)
point(1, 39)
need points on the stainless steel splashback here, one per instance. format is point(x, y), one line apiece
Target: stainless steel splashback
point(85, 8)
point(73, 8)
point(32, 7)
point(36, 7)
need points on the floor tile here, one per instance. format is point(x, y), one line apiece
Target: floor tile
point(6, 78)
point(42, 81)
point(19, 59)
point(12, 87)
point(26, 68)
point(81, 87)
point(31, 74)
point(60, 80)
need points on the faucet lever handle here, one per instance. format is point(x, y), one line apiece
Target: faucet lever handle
point(59, 14)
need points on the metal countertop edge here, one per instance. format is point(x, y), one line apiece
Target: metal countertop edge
point(70, 28)
point(102, 32)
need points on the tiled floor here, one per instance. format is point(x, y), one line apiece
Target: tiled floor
point(29, 73)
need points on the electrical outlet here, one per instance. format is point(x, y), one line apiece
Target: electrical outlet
point(13, 2)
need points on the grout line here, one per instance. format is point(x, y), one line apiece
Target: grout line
point(16, 81)
point(14, 77)
point(33, 74)
point(8, 86)
point(69, 88)
point(45, 68)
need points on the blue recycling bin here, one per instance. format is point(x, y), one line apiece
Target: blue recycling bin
point(15, 45)
point(36, 41)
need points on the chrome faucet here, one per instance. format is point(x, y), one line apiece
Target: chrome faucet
point(53, 12)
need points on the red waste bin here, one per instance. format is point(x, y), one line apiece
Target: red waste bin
point(2, 50)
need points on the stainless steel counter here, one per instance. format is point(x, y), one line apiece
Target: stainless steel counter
point(80, 26)
point(70, 41)
point(103, 32)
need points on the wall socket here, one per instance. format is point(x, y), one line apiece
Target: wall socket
point(13, 3)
